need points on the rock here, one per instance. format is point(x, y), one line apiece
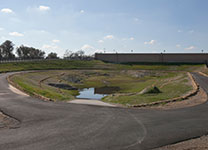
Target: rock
point(74, 79)
point(151, 90)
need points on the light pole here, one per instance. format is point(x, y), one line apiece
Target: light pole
point(104, 50)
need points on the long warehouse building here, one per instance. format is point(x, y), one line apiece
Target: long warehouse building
point(153, 57)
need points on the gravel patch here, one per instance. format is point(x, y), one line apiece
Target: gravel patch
point(8, 122)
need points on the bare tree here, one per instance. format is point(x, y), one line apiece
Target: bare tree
point(68, 54)
point(79, 55)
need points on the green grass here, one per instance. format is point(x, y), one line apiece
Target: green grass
point(94, 64)
point(32, 88)
point(170, 91)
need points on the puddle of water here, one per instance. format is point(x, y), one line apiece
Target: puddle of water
point(90, 94)
point(96, 93)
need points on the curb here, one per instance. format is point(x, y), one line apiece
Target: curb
point(190, 94)
point(203, 74)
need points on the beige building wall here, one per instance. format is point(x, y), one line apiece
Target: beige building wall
point(159, 58)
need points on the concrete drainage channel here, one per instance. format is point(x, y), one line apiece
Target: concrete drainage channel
point(91, 102)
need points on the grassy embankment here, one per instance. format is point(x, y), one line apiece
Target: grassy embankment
point(128, 78)
point(64, 64)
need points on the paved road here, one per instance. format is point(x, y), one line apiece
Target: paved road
point(60, 126)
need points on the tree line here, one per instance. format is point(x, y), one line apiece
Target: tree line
point(25, 52)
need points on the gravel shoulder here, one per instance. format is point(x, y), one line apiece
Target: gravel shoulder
point(8, 122)
point(194, 144)
point(2, 125)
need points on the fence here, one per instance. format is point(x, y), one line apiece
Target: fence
point(22, 60)
point(31, 60)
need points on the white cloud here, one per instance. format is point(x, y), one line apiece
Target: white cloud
point(1, 29)
point(131, 38)
point(136, 19)
point(98, 51)
point(3, 38)
point(44, 8)
point(109, 37)
point(178, 45)
point(16, 34)
point(48, 47)
point(150, 42)
point(90, 49)
point(42, 31)
point(87, 47)
point(126, 39)
point(82, 11)
point(190, 48)
point(55, 41)
point(179, 31)
point(100, 41)
point(7, 10)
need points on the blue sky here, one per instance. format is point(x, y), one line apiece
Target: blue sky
point(144, 26)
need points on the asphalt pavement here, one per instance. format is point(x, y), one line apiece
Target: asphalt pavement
point(42, 125)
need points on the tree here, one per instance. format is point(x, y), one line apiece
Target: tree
point(6, 50)
point(25, 52)
point(79, 55)
point(52, 56)
point(68, 54)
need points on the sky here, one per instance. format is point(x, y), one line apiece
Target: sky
point(123, 26)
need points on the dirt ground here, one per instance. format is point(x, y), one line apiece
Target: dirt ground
point(194, 144)
point(7, 122)
point(2, 121)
